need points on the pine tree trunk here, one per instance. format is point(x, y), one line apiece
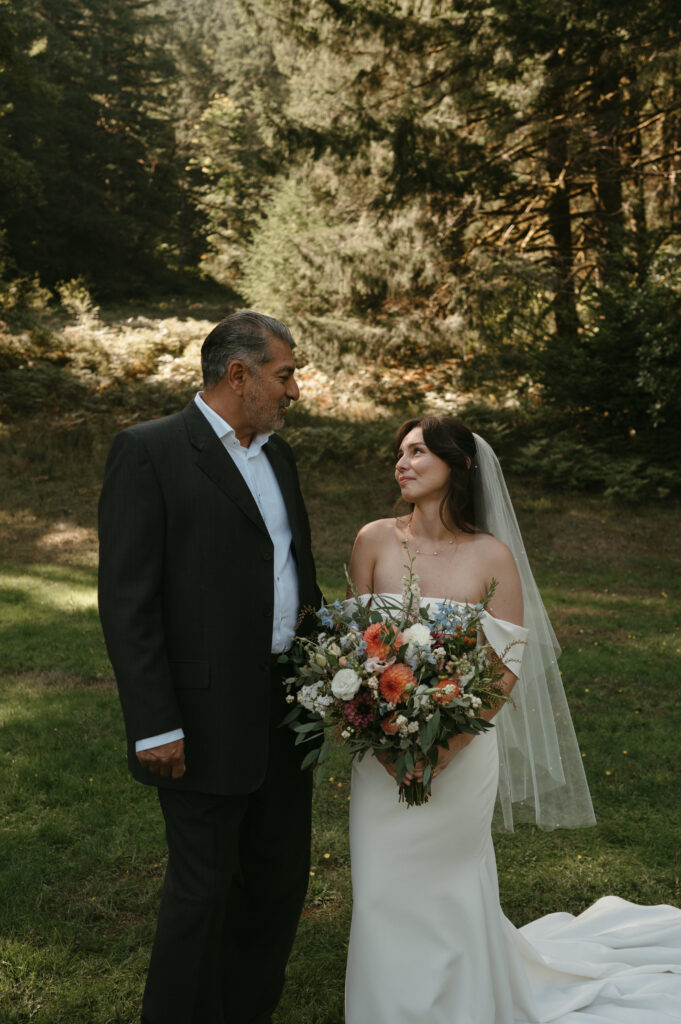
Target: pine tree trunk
point(607, 105)
point(560, 226)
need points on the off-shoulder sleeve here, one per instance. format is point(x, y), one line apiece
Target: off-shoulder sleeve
point(506, 640)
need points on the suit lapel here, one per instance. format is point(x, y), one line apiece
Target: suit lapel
point(217, 464)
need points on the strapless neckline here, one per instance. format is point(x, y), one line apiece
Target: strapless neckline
point(443, 600)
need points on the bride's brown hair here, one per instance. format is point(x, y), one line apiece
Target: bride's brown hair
point(453, 442)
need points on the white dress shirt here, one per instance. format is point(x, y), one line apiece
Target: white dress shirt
point(256, 469)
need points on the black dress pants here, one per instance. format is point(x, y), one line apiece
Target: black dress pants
point(238, 869)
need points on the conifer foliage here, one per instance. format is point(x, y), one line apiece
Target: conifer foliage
point(487, 184)
point(88, 179)
point(494, 180)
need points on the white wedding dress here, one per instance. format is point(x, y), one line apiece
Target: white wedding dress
point(429, 943)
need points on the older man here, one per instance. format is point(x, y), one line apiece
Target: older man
point(205, 564)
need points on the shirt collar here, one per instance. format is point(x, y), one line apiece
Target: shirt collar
point(227, 434)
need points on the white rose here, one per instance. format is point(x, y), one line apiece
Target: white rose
point(418, 635)
point(345, 683)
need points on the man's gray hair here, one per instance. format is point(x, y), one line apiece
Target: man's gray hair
point(244, 335)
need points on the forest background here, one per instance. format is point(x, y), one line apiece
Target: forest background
point(466, 207)
point(475, 204)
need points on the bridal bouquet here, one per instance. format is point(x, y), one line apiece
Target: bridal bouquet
point(394, 678)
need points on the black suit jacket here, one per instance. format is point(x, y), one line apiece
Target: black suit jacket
point(186, 595)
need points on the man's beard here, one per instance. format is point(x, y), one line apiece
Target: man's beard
point(260, 413)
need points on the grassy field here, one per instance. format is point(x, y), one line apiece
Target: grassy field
point(81, 846)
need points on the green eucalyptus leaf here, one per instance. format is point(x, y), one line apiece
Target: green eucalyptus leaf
point(310, 758)
point(291, 716)
point(428, 731)
point(316, 726)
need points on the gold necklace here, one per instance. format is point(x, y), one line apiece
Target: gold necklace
point(418, 551)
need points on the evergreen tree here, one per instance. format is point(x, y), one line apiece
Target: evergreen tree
point(85, 130)
point(533, 143)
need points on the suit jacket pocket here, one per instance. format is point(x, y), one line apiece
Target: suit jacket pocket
point(190, 675)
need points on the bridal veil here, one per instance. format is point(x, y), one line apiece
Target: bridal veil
point(541, 775)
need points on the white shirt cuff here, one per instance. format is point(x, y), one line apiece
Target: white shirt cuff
point(158, 741)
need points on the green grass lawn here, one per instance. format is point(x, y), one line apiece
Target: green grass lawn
point(82, 848)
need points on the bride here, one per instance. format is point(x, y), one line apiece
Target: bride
point(429, 942)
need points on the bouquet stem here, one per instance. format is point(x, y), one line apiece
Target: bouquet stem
point(415, 794)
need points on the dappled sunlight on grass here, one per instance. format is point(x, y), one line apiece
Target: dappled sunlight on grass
point(48, 620)
point(47, 587)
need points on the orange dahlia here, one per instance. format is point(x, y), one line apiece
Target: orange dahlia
point(440, 697)
point(390, 726)
point(379, 636)
point(393, 682)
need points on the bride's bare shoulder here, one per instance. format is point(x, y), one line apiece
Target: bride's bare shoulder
point(378, 532)
point(495, 557)
point(491, 550)
point(372, 545)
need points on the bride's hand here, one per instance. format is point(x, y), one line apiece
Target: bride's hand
point(390, 768)
point(444, 755)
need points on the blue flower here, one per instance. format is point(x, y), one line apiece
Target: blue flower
point(325, 618)
point(412, 660)
point(445, 619)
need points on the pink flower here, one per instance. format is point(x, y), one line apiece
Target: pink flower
point(360, 710)
point(376, 665)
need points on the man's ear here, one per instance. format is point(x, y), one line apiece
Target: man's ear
point(237, 375)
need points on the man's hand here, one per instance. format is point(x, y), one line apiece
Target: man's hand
point(168, 759)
